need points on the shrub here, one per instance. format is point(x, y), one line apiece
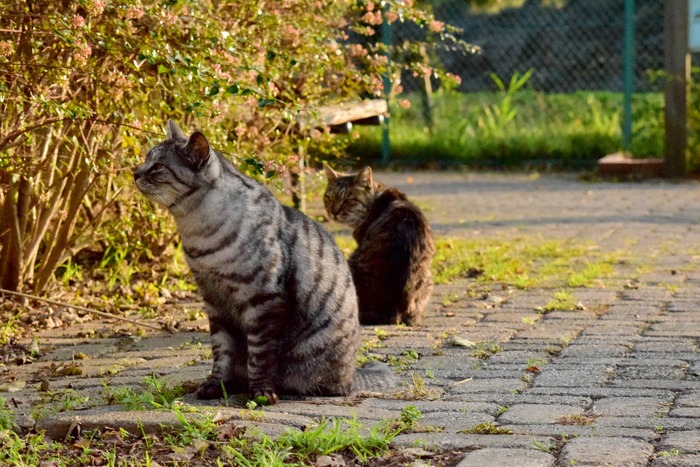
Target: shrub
point(83, 83)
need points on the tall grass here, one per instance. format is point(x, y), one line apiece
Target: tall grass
point(555, 130)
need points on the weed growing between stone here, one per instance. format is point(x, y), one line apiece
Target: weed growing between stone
point(201, 440)
point(563, 301)
point(487, 428)
point(156, 395)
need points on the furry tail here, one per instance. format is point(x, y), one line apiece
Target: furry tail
point(374, 377)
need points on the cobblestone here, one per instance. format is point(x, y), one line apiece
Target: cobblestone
point(616, 383)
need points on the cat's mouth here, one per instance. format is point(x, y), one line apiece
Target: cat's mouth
point(143, 189)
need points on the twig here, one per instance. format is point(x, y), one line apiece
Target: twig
point(81, 308)
point(460, 382)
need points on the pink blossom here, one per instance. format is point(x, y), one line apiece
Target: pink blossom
point(374, 19)
point(404, 103)
point(391, 16)
point(370, 6)
point(6, 49)
point(168, 19)
point(240, 130)
point(356, 50)
point(82, 51)
point(96, 7)
point(134, 12)
point(455, 78)
point(270, 166)
point(77, 21)
point(436, 26)
point(291, 35)
point(376, 86)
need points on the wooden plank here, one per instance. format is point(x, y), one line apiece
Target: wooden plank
point(338, 114)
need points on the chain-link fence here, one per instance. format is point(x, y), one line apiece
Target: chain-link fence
point(570, 45)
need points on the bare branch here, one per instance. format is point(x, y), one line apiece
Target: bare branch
point(82, 308)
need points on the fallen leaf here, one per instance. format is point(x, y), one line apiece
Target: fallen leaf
point(82, 443)
point(417, 453)
point(200, 445)
point(532, 369)
point(179, 455)
point(230, 431)
point(221, 416)
point(15, 386)
point(70, 369)
point(461, 342)
point(332, 460)
point(450, 314)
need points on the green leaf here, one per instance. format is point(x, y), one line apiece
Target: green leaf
point(163, 69)
point(264, 102)
point(233, 89)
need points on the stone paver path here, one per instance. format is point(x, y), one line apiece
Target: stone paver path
point(614, 383)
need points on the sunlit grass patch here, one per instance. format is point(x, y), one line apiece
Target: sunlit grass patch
point(522, 262)
point(563, 301)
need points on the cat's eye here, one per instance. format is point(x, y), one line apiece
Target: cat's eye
point(157, 167)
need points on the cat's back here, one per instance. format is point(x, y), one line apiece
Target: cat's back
point(393, 217)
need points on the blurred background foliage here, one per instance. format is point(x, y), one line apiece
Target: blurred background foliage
point(85, 87)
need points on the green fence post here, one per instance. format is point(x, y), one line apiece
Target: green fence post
point(628, 71)
point(386, 146)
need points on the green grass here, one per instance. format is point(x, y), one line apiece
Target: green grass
point(522, 262)
point(562, 301)
point(201, 438)
point(487, 428)
point(559, 130)
point(158, 394)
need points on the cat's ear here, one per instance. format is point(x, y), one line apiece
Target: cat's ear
point(364, 178)
point(174, 131)
point(330, 173)
point(198, 149)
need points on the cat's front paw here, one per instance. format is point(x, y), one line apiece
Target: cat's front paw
point(267, 393)
point(210, 389)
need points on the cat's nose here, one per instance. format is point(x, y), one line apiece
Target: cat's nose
point(138, 173)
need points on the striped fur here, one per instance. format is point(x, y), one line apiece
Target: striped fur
point(395, 249)
point(279, 296)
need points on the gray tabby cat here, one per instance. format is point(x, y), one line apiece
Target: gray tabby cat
point(279, 296)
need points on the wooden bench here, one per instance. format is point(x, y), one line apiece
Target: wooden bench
point(340, 118)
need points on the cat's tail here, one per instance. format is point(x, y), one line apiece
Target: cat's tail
point(374, 377)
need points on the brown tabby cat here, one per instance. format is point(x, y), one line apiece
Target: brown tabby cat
point(391, 265)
